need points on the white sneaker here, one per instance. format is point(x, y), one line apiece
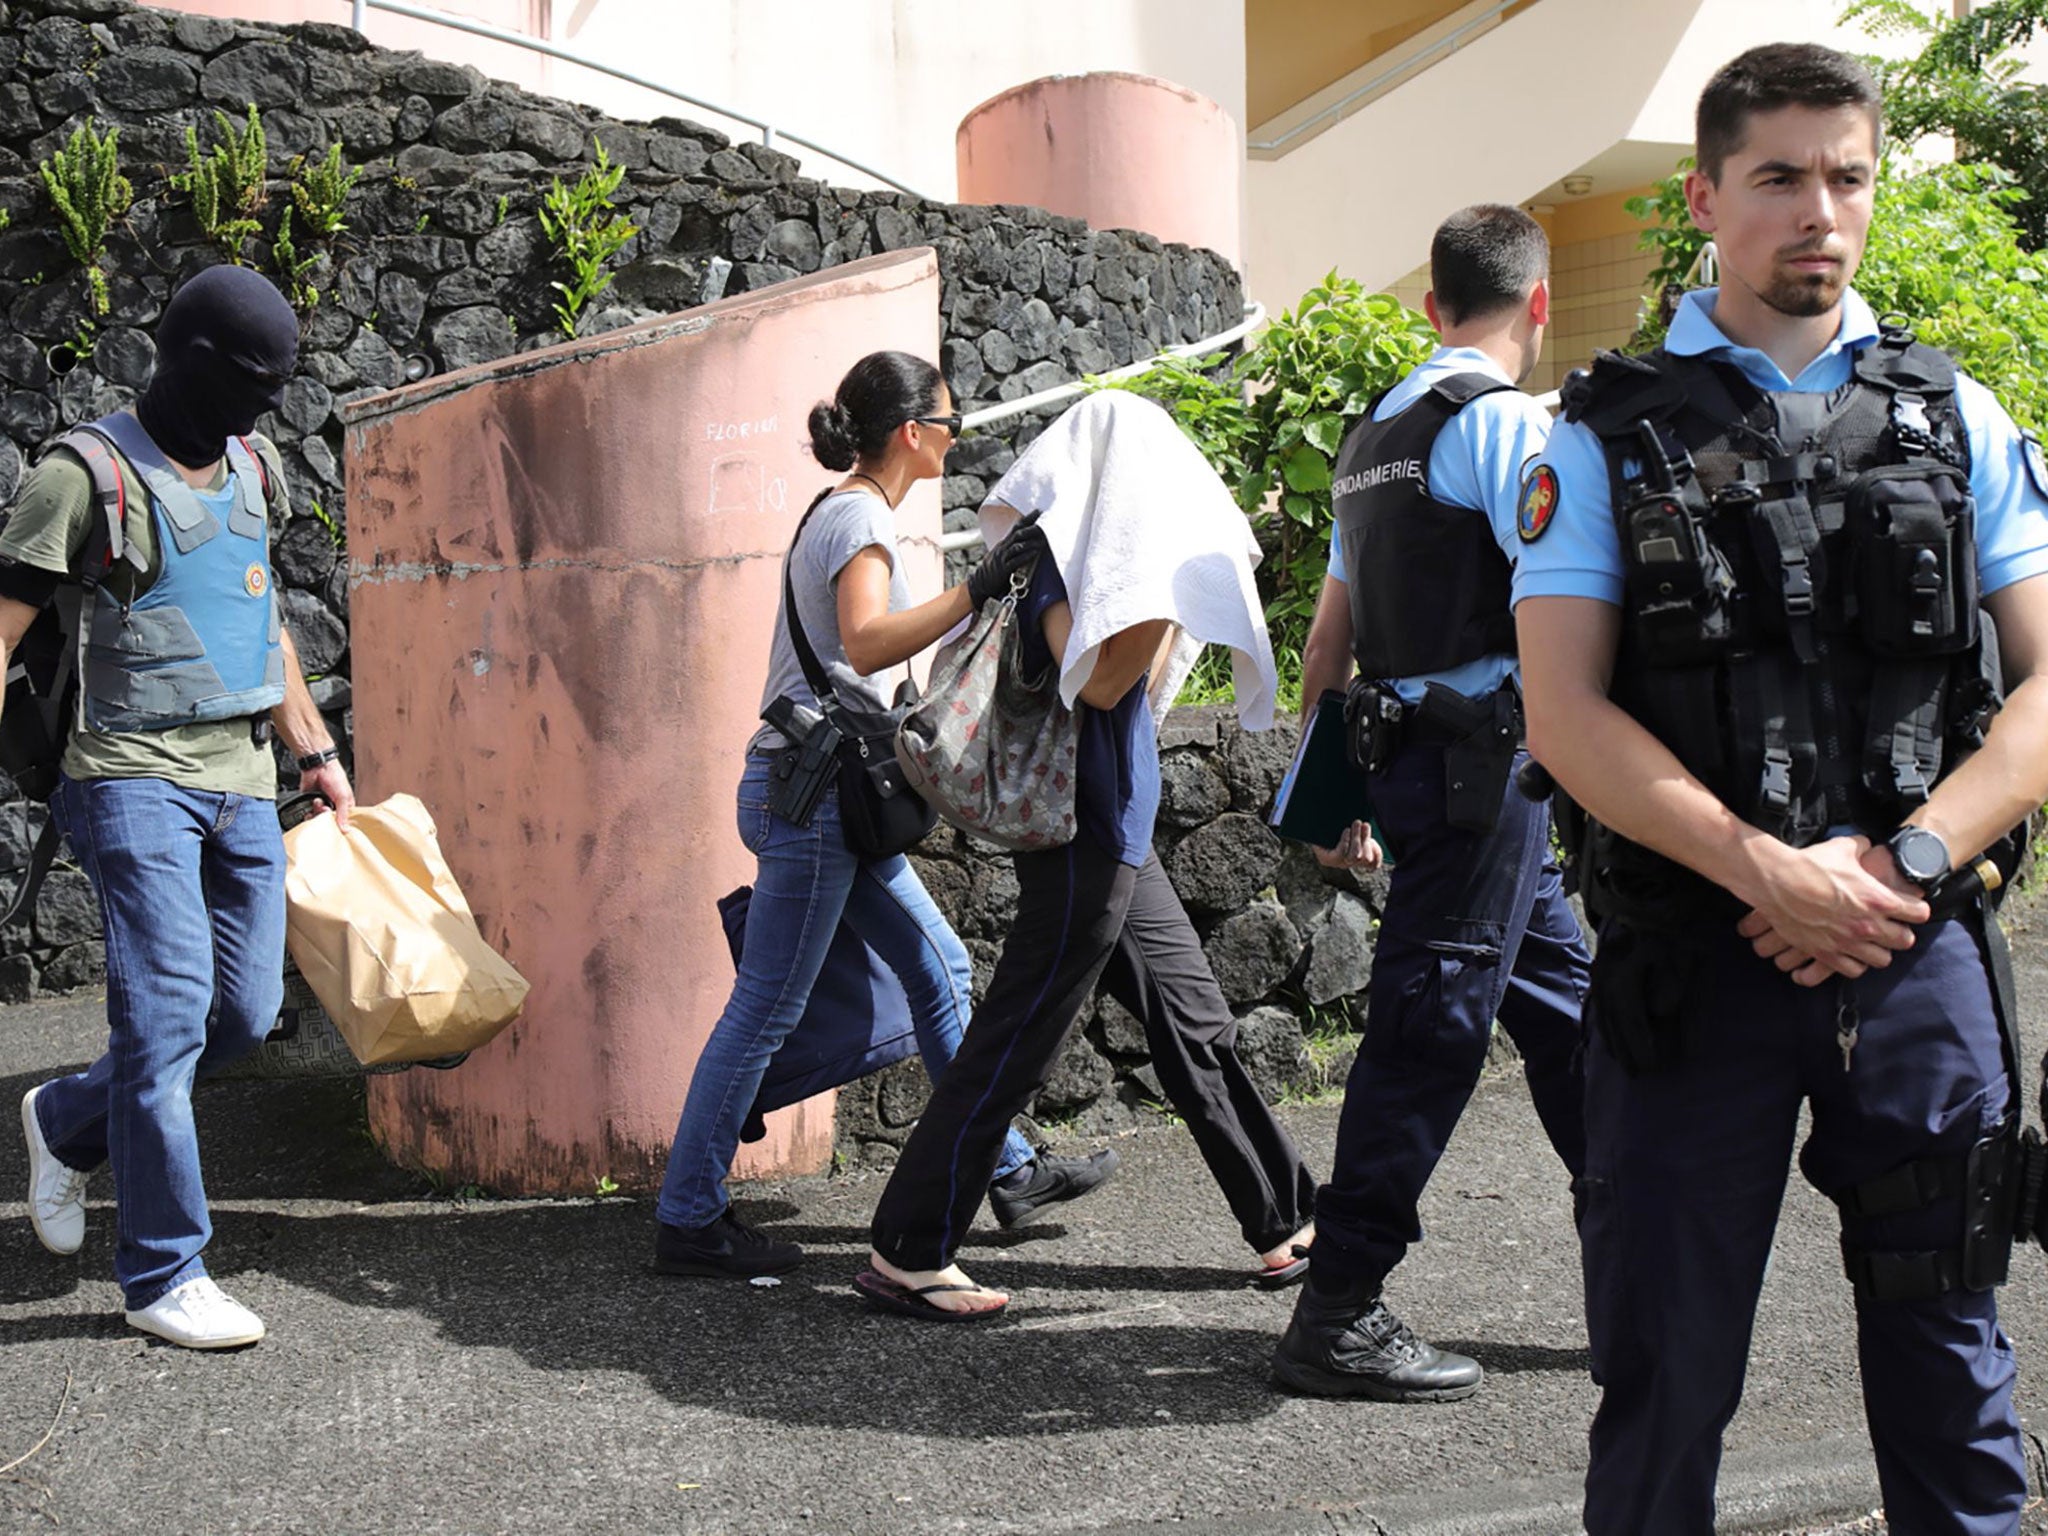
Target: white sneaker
point(56, 1192)
point(199, 1315)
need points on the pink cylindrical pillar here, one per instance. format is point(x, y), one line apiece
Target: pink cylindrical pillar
point(1122, 151)
point(564, 569)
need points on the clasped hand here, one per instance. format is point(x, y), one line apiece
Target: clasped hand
point(1838, 908)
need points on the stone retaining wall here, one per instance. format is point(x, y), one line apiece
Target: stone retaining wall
point(445, 265)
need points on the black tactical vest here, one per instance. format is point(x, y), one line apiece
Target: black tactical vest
point(1429, 585)
point(1801, 622)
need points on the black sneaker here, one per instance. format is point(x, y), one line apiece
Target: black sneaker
point(1349, 1344)
point(1045, 1181)
point(728, 1246)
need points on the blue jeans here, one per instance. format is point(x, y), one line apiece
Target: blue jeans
point(809, 881)
point(191, 891)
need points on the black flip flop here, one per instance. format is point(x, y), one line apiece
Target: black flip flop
point(1279, 1276)
point(892, 1296)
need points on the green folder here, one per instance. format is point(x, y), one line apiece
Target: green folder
point(1323, 793)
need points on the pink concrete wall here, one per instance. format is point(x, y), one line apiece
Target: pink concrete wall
point(564, 568)
point(501, 61)
point(1122, 151)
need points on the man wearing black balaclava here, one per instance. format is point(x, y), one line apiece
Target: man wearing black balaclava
point(152, 530)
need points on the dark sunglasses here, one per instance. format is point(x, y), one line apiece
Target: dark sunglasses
point(951, 423)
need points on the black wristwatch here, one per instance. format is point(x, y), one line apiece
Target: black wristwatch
point(318, 759)
point(1921, 855)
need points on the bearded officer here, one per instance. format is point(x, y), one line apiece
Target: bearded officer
point(1757, 639)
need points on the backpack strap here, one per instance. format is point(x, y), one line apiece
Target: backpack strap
point(40, 859)
point(262, 470)
point(108, 542)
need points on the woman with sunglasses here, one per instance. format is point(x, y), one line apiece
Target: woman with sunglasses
point(889, 426)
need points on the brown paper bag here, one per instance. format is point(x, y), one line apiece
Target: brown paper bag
point(380, 930)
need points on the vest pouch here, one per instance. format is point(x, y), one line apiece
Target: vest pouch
point(1678, 582)
point(1912, 538)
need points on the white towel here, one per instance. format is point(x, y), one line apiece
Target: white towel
point(1142, 528)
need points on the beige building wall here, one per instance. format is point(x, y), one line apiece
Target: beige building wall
point(1500, 120)
point(1598, 88)
point(1597, 277)
point(884, 81)
point(888, 81)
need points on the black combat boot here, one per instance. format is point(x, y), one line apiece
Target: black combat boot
point(1346, 1343)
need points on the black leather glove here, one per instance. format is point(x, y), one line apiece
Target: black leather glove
point(1017, 553)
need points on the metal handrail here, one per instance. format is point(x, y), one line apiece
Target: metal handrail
point(768, 131)
point(1449, 43)
point(1254, 317)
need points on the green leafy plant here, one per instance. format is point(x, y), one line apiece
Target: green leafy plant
point(226, 182)
point(1669, 231)
point(292, 267)
point(1966, 82)
point(586, 232)
point(504, 206)
point(320, 190)
point(607, 1186)
point(328, 521)
point(1318, 367)
point(84, 183)
point(1946, 252)
point(80, 343)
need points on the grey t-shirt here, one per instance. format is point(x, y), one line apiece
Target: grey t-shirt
point(844, 524)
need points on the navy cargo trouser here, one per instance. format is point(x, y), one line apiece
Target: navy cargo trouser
point(1476, 928)
point(1685, 1169)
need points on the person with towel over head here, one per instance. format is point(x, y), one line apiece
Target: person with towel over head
point(1148, 560)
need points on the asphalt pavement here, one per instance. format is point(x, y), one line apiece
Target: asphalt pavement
point(438, 1364)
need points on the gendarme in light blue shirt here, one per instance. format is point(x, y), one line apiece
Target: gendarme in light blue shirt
point(1579, 553)
point(1477, 462)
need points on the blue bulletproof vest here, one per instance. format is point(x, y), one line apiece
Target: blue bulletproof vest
point(203, 643)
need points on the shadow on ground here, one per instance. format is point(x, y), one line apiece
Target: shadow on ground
point(566, 1285)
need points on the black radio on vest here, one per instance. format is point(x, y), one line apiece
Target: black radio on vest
point(1429, 586)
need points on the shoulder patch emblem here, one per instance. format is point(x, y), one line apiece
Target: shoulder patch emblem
point(1538, 503)
point(256, 580)
point(2037, 461)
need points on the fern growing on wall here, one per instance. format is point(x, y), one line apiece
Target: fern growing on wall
point(320, 190)
point(85, 185)
point(586, 232)
point(226, 182)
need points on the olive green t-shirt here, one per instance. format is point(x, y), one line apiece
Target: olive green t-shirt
point(51, 520)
